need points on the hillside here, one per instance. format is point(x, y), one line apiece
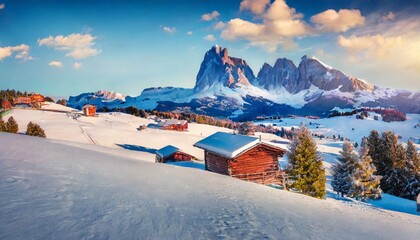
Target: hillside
point(52, 190)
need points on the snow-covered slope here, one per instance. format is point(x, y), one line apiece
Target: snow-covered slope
point(50, 190)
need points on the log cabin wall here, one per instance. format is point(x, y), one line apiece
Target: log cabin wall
point(216, 163)
point(261, 158)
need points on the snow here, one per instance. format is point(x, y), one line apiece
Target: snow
point(226, 144)
point(344, 126)
point(50, 190)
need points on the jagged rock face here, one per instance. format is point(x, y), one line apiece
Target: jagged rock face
point(219, 68)
point(325, 78)
point(281, 75)
point(310, 72)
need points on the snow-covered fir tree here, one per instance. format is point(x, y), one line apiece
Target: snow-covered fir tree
point(413, 157)
point(305, 169)
point(343, 170)
point(365, 185)
point(375, 150)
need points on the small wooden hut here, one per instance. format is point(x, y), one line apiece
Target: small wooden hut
point(244, 157)
point(89, 110)
point(37, 98)
point(172, 154)
point(173, 124)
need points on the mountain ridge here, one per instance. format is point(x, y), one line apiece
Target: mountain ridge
point(226, 85)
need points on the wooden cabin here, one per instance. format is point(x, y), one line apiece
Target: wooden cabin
point(36, 98)
point(89, 110)
point(172, 154)
point(173, 124)
point(244, 157)
point(6, 105)
point(22, 101)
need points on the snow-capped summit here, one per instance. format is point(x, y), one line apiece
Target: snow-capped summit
point(218, 68)
point(99, 98)
point(310, 71)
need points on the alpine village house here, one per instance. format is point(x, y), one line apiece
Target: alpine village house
point(243, 157)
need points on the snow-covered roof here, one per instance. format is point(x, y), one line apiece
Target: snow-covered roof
point(166, 151)
point(228, 145)
point(88, 106)
point(169, 122)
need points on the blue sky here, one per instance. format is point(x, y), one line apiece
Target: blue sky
point(63, 48)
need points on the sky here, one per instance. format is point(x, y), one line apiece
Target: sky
point(63, 48)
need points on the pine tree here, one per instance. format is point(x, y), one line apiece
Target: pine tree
point(343, 170)
point(413, 157)
point(305, 165)
point(34, 129)
point(375, 150)
point(365, 185)
point(246, 128)
point(3, 127)
point(12, 126)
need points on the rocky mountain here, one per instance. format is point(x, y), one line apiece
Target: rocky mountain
point(99, 98)
point(218, 68)
point(227, 87)
point(310, 72)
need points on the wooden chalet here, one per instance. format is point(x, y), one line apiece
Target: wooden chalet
point(172, 154)
point(89, 110)
point(173, 124)
point(36, 98)
point(6, 105)
point(244, 157)
point(22, 101)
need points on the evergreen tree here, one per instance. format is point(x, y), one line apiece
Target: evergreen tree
point(12, 126)
point(413, 157)
point(364, 184)
point(3, 127)
point(343, 170)
point(375, 150)
point(305, 165)
point(34, 129)
point(246, 128)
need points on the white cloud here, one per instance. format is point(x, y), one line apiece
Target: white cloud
point(77, 65)
point(2, 6)
point(190, 33)
point(169, 29)
point(390, 16)
point(21, 52)
point(341, 21)
point(210, 16)
point(254, 6)
point(56, 64)
point(210, 38)
point(279, 26)
point(219, 25)
point(77, 45)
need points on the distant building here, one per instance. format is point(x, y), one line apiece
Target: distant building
point(172, 154)
point(173, 124)
point(244, 157)
point(5, 104)
point(22, 101)
point(37, 98)
point(89, 110)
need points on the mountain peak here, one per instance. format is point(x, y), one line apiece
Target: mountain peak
point(218, 68)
